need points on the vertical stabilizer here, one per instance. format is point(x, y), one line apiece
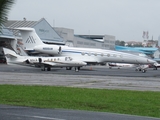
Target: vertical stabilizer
point(10, 55)
point(30, 38)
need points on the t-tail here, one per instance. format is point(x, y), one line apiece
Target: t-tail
point(30, 38)
point(10, 55)
point(12, 58)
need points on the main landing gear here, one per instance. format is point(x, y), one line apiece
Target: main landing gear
point(76, 68)
point(142, 68)
point(43, 68)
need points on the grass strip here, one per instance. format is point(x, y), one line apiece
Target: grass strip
point(143, 103)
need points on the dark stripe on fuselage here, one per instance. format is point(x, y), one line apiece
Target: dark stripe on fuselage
point(70, 51)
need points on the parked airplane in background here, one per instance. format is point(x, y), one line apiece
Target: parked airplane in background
point(156, 66)
point(142, 68)
point(43, 62)
point(119, 65)
point(32, 42)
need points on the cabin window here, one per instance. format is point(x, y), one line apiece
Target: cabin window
point(89, 54)
point(70, 58)
point(108, 55)
point(82, 53)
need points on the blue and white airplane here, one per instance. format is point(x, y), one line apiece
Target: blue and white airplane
point(32, 42)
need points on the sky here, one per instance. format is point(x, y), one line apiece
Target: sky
point(124, 19)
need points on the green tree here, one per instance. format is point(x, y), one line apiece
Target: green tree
point(122, 43)
point(5, 6)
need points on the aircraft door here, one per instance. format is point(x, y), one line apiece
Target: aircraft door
point(40, 60)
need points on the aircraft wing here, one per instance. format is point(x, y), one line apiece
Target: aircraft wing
point(60, 63)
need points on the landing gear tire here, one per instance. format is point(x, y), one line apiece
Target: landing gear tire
point(143, 71)
point(155, 68)
point(79, 68)
point(68, 68)
point(76, 69)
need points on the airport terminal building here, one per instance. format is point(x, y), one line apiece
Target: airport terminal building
point(62, 36)
point(86, 41)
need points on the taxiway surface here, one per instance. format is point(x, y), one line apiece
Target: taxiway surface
point(89, 77)
point(100, 77)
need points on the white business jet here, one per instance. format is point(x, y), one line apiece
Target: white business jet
point(31, 41)
point(43, 62)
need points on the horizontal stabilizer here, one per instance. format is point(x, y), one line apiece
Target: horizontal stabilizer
point(10, 56)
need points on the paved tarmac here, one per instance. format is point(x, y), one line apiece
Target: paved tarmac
point(28, 113)
point(99, 77)
point(89, 77)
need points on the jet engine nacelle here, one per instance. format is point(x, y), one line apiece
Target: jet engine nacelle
point(49, 49)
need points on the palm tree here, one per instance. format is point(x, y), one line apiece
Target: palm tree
point(5, 6)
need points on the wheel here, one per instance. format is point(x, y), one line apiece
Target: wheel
point(143, 70)
point(76, 69)
point(79, 68)
point(68, 68)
